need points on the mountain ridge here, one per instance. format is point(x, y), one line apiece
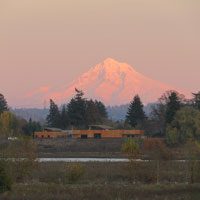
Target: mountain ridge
point(112, 82)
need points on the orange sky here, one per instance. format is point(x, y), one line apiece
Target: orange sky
point(50, 42)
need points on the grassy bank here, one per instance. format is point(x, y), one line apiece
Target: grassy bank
point(43, 191)
point(64, 148)
point(154, 179)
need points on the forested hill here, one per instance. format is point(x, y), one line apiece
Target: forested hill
point(35, 114)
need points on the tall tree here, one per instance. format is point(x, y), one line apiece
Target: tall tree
point(157, 117)
point(64, 118)
point(3, 104)
point(186, 125)
point(76, 110)
point(102, 109)
point(53, 118)
point(196, 100)
point(93, 115)
point(172, 106)
point(164, 111)
point(30, 127)
point(8, 124)
point(135, 115)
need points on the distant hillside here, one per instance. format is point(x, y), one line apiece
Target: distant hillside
point(34, 113)
point(119, 112)
point(114, 112)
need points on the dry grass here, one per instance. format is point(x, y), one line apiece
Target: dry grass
point(41, 191)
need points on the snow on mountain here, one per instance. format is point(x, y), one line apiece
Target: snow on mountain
point(114, 83)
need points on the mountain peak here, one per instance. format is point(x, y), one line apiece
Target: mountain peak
point(112, 65)
point(114, 83)
point(110, 61)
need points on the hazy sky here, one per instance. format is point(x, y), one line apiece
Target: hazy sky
point(51, 42)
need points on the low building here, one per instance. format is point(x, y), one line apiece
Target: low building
point(98, 134)
point(94, 131)
point(51, 133)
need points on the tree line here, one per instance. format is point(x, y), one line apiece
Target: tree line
point(173, 117)
point(11, 125)
point(78, 113)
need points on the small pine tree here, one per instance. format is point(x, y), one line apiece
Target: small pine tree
point(135, 115)
point(3, 104)
point(53, 118)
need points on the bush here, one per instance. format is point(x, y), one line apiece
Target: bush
point(131, 147)
point(24, 148)
point(172, 138)
point(5, 179)
point(74, 172)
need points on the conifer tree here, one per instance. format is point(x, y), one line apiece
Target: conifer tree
point(93, 115)
point(135, 114)
point(30, 127)
point(3, 104)
point(102, 109)
point(76, 110)
point(53, 118)
point(64, 117)
point(172, 106)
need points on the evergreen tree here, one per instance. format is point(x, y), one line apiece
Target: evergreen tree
point(163, 112)
point(102, 109)
point(172, 106)
point(64, 118)
point(135, 115)
point(93, 115)
point(157, 120)
point(76, 110)
point(53, 118)
point(3, 104)
point(30, 127)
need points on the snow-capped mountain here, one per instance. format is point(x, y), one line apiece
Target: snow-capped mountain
point(114, 83)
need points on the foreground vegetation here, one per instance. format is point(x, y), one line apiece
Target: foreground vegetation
point(170, 168)
point(160, 176)
point(105, 181)
point(42, 191)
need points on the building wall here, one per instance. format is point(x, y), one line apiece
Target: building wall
point(107, 133)
point(90, 133)
point(46, 134)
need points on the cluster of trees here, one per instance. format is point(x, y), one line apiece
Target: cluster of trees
point(11, 125)
point(173, 117)
point(78, 113)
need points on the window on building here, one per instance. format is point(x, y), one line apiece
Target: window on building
point(84, 136)
point(97, 136)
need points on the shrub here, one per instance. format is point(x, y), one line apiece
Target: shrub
point(24, 148)
point(74, 172)
point(131, 147)
point(5, 179)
